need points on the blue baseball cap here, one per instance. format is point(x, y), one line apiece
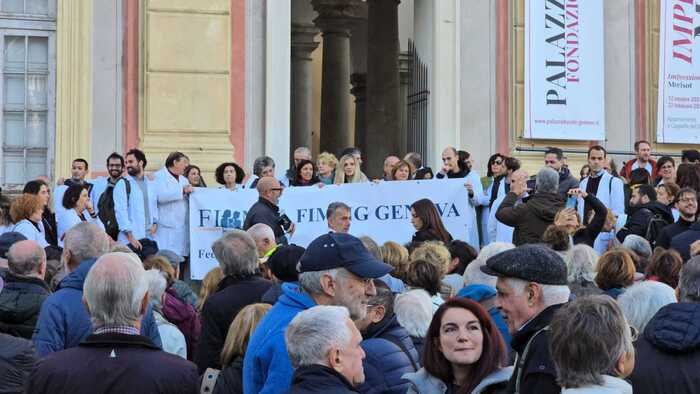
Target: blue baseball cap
point(339, 250)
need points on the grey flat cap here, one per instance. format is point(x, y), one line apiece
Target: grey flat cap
point(532, 263)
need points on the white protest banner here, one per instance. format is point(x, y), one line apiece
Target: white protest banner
point(679, 72)
point(564, 70)
point(379, 210)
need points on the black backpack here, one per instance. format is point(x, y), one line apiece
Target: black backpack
point(654, 228)
point(105, 206)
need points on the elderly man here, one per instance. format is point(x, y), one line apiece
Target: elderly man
point(25, 289)
point(389, 164)
point(242, 285)
point(315, 339)
point(531, 287)
point(264, 238)
point(267, 211)
point(300, 153)
point(115, 358)
point(537, 213)
point(63, 321)
point(339, 217)
point(336, 269)
point(668, 351)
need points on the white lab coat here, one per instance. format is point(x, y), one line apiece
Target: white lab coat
point(497, 231)
point(611, 193)
point(472, 235)
point(131, 214)
point(68, 218)
point(29, 230)
point(484, 201)
point(173, 222)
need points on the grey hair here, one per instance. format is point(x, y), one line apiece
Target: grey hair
point(493, 249)
point(156, 286)
point(587, 338)
point(236, 253)
point(582, 264)
point(547, 181)
point(313, 333)
point(473, 275)
point(303, 150)
point(689, 281)
point(638, 245)
point(310, 282)
point(261, 231)
point(86, 241)
point(641, 301)
point(334, 206)
point(551, 294)
point(371, 247)
point(260, 163)
point(114, 289)
point(414, 311)
point(24, 261)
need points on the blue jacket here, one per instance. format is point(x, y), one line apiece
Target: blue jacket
point(479, 293)
point(385, 362)
point(668, 352)
point(682, 241)
point(64, 322)
point(266, 367)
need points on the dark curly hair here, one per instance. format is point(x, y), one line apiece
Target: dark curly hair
point(219, 173)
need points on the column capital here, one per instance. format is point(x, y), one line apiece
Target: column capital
point(337, 16)
point(303, 40)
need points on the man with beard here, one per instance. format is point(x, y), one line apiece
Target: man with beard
point(79, 170)
point(134, 207)
point(644, 208)
point(554, 159)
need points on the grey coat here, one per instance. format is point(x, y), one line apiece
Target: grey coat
point(424, 383)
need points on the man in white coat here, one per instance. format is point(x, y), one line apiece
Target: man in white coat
point(135, 209)
point(608, 189)
point(172, 190)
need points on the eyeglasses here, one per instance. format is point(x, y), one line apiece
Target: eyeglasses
point(499, 162)
point(277, 189)
point(688, 200)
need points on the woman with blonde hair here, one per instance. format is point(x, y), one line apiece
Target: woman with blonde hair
point(437, 254)
point(209, 284)
point(347, 171)
point(580, 233)
point(396, 255)
point(241, 329)
point(326, 163)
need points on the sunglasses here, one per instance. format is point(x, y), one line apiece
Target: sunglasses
point(499, 162)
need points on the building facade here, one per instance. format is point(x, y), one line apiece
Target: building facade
point(235, 79)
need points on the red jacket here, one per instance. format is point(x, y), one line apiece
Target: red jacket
point(627, 169)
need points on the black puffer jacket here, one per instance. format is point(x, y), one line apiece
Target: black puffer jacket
point(20, 303)
point(531, 218)
point(640, 216)
point(668, 353)
point(17, 359)
point(230, 380)
point(385, 362)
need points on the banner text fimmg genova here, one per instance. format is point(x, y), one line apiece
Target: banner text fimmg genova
point(379, 210)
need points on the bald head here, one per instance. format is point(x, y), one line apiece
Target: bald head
point(270, 189)
point(27, 258)
point(519, 176)
point(116, 290)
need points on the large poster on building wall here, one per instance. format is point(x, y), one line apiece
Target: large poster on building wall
point(679, 72)
point(564, 70)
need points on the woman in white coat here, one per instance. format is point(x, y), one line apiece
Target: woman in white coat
point(76, 201)
point(26, 212)
point(171, 190)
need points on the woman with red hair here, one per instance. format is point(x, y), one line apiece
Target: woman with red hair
point(464, 352)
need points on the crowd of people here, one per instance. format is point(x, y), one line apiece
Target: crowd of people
point(565, 284)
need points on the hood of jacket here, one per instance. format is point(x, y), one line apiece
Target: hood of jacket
point(21, 299)
point(75, 279)
point(499, 376)
point(545, 205)
point(477, 292)
point(675, 328)
point(293, 297)
point(656, 208)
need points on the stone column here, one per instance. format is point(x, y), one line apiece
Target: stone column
point(383, 86)
point(335, 21)
point(405, 79)
point(359, 90)
point(303, 44)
